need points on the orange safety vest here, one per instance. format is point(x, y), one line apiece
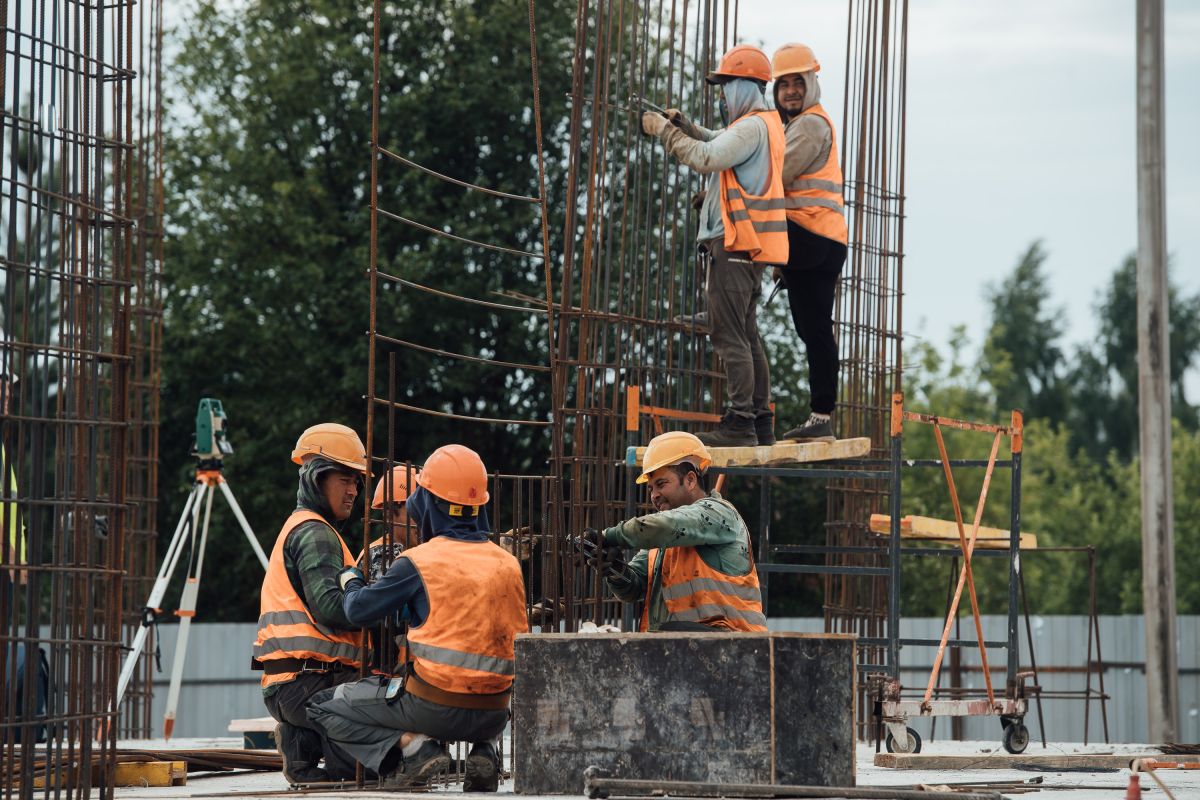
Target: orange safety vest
point(286, 628)
point(695, 592)
point(814, 199)
point(476, 609)
point(755, 224)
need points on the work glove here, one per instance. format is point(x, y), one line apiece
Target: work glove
point(349, 574)
point(519, 541)
point(608, 560)
point(698, 200)
point(588, 544)
point(654, 123)
point(676, 117)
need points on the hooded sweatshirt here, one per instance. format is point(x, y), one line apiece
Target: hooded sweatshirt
point(312, 553)
point(400, 590)
point(808, 138)
point(743, 147)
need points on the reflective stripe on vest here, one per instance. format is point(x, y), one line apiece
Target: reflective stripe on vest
point(286, 628)
point(695, 592)
point(814, 199)
point(476, 609)
point(757, 224)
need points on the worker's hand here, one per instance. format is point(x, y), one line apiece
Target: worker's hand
point(518, 541)
point(349, 574)
point(777, 274)
point(614, 565)
point(588, 544)
point(698, 200)
point(654, 123)
point(675, 117)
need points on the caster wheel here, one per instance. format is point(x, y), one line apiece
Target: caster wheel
point(1016, 738)
point(911, 743)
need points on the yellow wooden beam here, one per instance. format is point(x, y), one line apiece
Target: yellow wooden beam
point(776, 454)
point(945, 531)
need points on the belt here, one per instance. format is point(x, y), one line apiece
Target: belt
point(275, 666)
point(480, 702)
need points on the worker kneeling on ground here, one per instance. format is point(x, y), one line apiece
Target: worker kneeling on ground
point(305, 643)
point(464, 601)
point(694, 567)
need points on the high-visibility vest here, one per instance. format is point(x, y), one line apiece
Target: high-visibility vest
point(755, 224)
point(814, 199)
point(476, 609)
point(695, 592)
point(286, 628)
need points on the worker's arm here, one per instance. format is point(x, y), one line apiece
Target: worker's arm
point(727, 149)
point(630, 586)
point(399, 589)
point(706, 521)
point(316, 552)
point(808, 141)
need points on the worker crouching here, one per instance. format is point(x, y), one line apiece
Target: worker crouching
point(464, 601)
point(694, 569)
point(305, 643)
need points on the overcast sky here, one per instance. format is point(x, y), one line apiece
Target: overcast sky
point(1021, 126)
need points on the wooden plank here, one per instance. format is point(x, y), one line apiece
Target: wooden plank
point(779, 453)
point(1009, 761)
point(945, 531)
point(151, 773)
point(252, 725)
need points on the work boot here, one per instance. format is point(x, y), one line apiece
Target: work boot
point(731, 431)
point(418, 769)
point(295, 770)
point(698, 320)
point(483, 768)
point(764, 429)
point(814, 429)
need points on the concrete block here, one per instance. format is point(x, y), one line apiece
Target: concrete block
point(717, 707)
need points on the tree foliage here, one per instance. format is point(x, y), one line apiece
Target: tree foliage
point(268, 247)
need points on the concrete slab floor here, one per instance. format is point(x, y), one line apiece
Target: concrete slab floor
point(1098, 785)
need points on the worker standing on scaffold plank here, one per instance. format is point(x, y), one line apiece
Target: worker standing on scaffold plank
point(694, 568)
point(742, 230)
point(816, 221)
point(305, 643)
point(464, 600)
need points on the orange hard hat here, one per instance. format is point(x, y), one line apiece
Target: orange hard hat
point(793, 58)
point(455, 474)
point(335, 442)
point(673, 448)
point(399, 478)
point(743, 61)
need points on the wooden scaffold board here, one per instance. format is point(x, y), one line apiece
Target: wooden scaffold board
point(777, 454)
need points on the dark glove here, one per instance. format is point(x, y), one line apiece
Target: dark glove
point(349, 574)
point(588, 544)
point(598, 554)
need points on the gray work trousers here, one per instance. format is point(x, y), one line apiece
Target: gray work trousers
point(734, 289)
point(361, 720)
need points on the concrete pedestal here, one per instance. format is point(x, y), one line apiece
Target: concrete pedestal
point(730, 708)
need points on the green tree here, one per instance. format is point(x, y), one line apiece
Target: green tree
point(1103, 413)
point(1022, 359)
point(267, 197)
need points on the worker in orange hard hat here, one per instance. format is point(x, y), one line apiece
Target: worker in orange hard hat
point(464, 600)
point(694, 569)
point(742, 231)
point(816, 223)
point(305, 642)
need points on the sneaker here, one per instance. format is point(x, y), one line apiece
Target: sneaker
point(764, 429)
point(697, 320)
point(814, 429)
point(483, 768)
point(731, 431)
point(418, 769)
point(296, 772)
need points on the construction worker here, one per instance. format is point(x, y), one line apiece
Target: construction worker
point(742, 230)
point(694, 568)
point(816, 222)
point(305, 643)
point(464, 601)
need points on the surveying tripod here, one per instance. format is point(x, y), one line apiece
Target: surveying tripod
point(210, 449)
